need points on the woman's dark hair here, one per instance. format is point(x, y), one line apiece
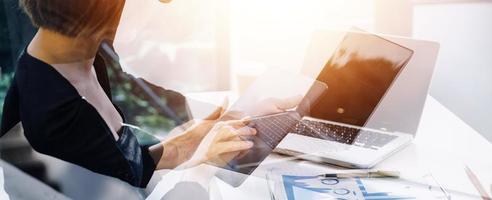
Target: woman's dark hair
point(73, 17)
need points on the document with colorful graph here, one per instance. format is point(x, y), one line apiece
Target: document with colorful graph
point(298, 187)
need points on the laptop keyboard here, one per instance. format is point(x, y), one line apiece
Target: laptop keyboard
point(274, 128)
point(343, 134)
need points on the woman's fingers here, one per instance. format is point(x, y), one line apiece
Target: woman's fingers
point(230, 133)
point(245, 131)
point(228, 141)
point(226, 151)
point(237, 124)
point(241, 122)
point(219, 111)
point(215, 114)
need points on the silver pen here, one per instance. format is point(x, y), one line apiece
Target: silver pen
point(369, 174)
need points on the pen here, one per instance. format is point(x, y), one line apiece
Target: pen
point(369, 174)
point(443, 190)
point(476, 183)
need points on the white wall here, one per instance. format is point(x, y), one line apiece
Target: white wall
point(463, 78)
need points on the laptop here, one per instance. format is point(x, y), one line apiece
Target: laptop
point(334, 127)
point(351, 125)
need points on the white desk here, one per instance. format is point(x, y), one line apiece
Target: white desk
point(19, 185)
point(443, 144)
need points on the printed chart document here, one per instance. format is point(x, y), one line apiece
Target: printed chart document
point(295, 186)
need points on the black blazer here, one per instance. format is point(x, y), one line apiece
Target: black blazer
point(58, 122)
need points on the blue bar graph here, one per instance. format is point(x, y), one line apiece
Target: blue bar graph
point(377, 195)
point(313, 186)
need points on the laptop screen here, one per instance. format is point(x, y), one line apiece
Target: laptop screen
point(358, 75)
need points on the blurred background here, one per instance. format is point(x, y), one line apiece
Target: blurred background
point(214, 45)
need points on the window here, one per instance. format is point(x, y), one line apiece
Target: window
point(15, 32)
point(275, 33)
point(182, 45)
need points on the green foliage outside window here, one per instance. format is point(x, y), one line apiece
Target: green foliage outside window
point(5, 80)
point(140, 109)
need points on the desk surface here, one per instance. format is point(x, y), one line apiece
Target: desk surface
point(19, 185)
point(443, 145)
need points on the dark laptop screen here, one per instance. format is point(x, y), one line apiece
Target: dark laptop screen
point(358, 75)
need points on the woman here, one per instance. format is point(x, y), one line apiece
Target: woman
point(61, 96)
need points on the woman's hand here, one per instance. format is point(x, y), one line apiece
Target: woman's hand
point(224, 142)
point(220, 145)
point(182, 144)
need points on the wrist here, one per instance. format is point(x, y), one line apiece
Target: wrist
point(156, 152)
point(169, 156)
